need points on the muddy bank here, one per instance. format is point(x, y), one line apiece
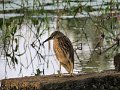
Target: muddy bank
point(107, 80)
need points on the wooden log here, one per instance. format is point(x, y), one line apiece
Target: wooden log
point(108, 80)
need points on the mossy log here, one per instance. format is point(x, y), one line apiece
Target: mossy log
point(107, 80)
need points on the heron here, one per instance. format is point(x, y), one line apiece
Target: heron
point(63, 49)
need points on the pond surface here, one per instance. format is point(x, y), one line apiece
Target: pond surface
point(30, 61)
point(82, 37)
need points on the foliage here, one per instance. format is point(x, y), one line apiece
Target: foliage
point(36, 14)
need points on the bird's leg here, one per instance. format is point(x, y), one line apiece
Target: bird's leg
point(60, 67)
point(71, 71)
point(59, 71)
point(71, 74)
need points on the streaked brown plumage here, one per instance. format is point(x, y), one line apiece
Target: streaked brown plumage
point(63, 50)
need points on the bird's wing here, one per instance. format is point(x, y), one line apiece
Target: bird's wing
point(67, 48)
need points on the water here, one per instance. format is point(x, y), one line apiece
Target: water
point(29, 62)
point(30, 59)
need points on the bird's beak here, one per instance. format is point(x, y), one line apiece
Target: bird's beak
point(47, 39)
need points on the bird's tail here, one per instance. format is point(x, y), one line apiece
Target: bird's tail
point(68, 67)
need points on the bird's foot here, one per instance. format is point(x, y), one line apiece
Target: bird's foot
point(59, 74)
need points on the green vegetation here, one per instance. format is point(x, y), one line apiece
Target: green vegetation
point(85, 20)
